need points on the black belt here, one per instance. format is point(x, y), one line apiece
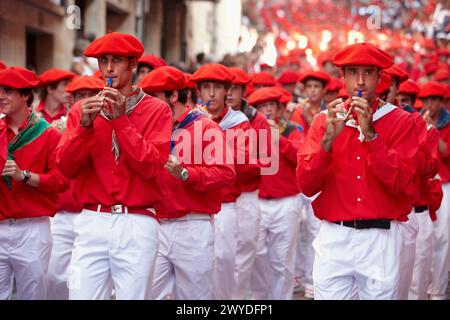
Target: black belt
point(366, 224)
point(420, 209)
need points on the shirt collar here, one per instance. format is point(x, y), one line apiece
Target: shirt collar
point(182, 116)
point(222, 115)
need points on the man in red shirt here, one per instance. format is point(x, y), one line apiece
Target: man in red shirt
point(213, 82)
point(432, 95)
point(184, 265)
point(279, 201)
point(54, 98)
point(146, 64)
point(62, 224)
point(363, 167)
point(247, 204)
point(29, 188)
point(116, 144)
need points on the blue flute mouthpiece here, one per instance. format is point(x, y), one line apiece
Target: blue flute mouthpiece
point(110, 81)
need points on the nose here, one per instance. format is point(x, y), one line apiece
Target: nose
point(211, 92)
point(361, 79)
point(109, 67)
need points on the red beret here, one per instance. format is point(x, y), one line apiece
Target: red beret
point(428, 43)
point(55, 75)
point(317, 75)
point(281, 61)
point(262, 95)
point(409, 87)
point(153, 61)
point(263, 78)
point(18, 78)
point(241, 77)
point(441, 75)
point(443, 52)
point(432, 88)
point(188, 80)
point(285, 97)
point(343, 94)
point(2, 65)
point(265, 65)
point(288, 77)
point(365, 54)
point(213, 72)
point(98, 74)
point(115, 43)
point(324, 57)
point(397, 72)
point(85, 83)
point(163, 79)
point(335, 84)
point(430, 67)
point(384, 83)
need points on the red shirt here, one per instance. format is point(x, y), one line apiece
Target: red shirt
point(3, 145)
point(62, 111)
point(23, 200)
point(144, 140)
point(231, 192)
point(282, 184)
point(68, 201)
point(368, 180)
point(444, 158)
point(201, 192)
point(251, 180)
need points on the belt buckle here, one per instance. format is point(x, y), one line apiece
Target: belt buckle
point(118, 208)
point(12, 221)
point(355, 224)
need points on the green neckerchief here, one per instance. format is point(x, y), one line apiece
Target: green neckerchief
point(33, 129)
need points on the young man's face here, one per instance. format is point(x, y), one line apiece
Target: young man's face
point(118, 67)
point(314, 90)
point(269, 109)
point(290, 87)
point(83, 94)
point(215, 93)
point(331, 95)
point(404, 99)
point(11, 101)
point(143, 70)
point(234, 97)
point(361, 78)
point(59, 93)
point(432, 104)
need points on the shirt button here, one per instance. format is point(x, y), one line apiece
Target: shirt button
point(358, 158)
point(358, 177)
point(359, 199)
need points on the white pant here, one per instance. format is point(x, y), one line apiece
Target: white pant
point(369, 258)
point(309, 227)
point(63, 237)
point(422, 265)
point(117, 247)
point(249, 218)
point(274, 264)
point(184, 264)
point(25, 247)
point(441, 248)
point(225, 246)
point(407, 254)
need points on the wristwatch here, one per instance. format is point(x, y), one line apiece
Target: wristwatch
point(26, 176)
point(184, 174)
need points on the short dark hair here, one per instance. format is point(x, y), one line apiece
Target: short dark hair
point(27, 92)
point(324, 84)
point(182, 95)
point(141, 65)
point(227, 85)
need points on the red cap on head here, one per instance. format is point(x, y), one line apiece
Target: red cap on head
point(430, 67)
point(2, 65)
point(262, 95)
point(397, 72)
point(85, 83)
point(115, 43)
point(431, 89)
point(241, 77)
point(263, 78)
point(213, 72)
point(188, 80)
point(384, 83)
point(442, 75)
point(18, 78)
point(343, 94)
point(316, 75)
point(335, 84)
point(152, 61)
point(285, 97)
point(163, 79)
point(54, 75)
point(409, 87)
point(288, 77)
point(365, 54)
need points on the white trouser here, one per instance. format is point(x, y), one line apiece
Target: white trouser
point(25, 247)
point(63, 237)
point(117, 247)
point(407, 254)
point(274, 264)
point(368, 257)
point(309, 227)
point(249, 218)
point(225, 246)
point(184, 264)
point(422, 265)
point(441, 232)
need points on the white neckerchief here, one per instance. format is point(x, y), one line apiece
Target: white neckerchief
point(232, 118)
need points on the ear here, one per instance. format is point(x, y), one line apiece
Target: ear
point(133, 63)
point(174, 97)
